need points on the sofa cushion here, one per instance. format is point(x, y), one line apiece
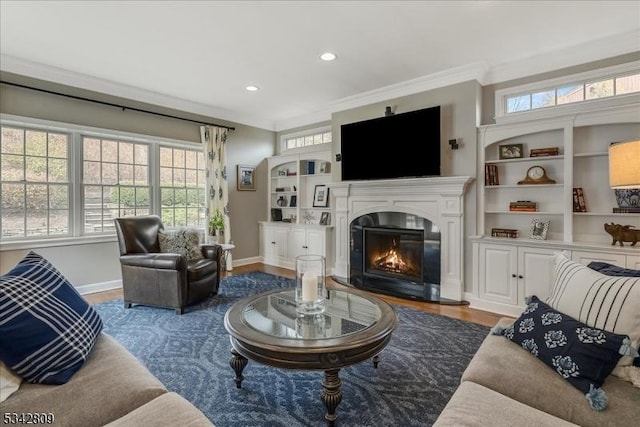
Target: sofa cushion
point(473, 405)
point(582, 355)
point(168, 410)
point(46, 328)
point(9, 382)
point(184, 241)
point(613, 270)
point(109, 385)
point(601, 301)
point(511, 370)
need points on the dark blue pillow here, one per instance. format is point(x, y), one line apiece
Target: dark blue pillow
point(46, 328)
point(613, 270)
point(584, 356)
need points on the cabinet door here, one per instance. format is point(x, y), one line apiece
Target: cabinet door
point(586, 257)
point(633, 262)
point(535, 273)
point(281, 239)
point(497, 271)
point(316, 242)
point(298, 242)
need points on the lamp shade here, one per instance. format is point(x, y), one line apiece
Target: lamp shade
point(624, 165)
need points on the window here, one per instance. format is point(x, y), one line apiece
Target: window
point(115, 177)
point(68, 181)
point(306, 138)
point(182, 186)
point(35, 183)
point(593, 86)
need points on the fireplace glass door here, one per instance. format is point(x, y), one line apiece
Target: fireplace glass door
point(393, 252)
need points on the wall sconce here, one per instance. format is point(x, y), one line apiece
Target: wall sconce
point(387, 111)
point(454, 144)
point(624, 172)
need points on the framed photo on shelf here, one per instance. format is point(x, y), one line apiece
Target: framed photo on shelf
point(539, 229)
point(321, 196)
point(510, 151)
point(246, 178)
point(325, 218)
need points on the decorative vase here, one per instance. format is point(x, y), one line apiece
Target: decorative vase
point(628, 197)
point(310, 286)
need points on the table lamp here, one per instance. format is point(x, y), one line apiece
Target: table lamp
point(624, 172)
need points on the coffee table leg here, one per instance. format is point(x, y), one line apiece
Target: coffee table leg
point(331, 394)
point(238, 362)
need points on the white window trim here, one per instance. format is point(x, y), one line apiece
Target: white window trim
point(283, 139)
point(501, 95)
point(75, 218)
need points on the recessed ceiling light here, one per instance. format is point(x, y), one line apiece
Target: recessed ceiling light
point(328, 56)
point(252, 88)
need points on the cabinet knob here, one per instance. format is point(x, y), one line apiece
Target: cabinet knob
point(273, 243)
point(520, 277)
point(513, 275)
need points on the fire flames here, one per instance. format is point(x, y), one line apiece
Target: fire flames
point(391, 261)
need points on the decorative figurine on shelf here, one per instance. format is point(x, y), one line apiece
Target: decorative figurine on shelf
point(308, 217)
point(622, 233)
point(282, 201)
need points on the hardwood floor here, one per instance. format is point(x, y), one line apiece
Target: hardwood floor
point(458, 312)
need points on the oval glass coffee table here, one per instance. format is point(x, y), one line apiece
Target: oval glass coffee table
point(267, 329)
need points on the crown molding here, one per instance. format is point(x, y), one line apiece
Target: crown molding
point(82, 81)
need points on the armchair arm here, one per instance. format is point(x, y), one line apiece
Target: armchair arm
point(161, 261)
point(213, 252)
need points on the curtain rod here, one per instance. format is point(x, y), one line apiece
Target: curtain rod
point(115, 105)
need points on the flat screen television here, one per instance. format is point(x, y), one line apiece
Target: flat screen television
point(398, 146)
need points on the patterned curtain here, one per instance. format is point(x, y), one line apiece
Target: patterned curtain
point(214, 142)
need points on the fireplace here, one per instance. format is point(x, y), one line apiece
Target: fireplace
point(429, 204)
point(396, 253)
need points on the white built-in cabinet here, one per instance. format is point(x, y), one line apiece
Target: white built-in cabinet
point(506, 270)
point(297, 177)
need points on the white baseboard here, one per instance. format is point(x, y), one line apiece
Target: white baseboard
point(99, 287)
point(247, 261)
point(494, 307)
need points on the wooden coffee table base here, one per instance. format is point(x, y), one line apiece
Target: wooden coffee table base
point(331, 395)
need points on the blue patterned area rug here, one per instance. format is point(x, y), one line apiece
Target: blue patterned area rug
point(418, 372)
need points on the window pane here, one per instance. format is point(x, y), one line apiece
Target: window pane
point(141, 175)
point(37, 222)
point(166, 157)
point(91, 173)
point(125, 153)
point(125, 174)
point(91, 149)
point(601, 89)
point(37, 197)
point(569, 94)
point(191, 158)
point(142, 198)
point(12, 167)
point(166, 176)
point(543, 99)
point(12, 141)
point(36, 143)
point(58, 197)
point(628, 84)
point(58, 170)
point(142, 154)
point(36, 168)
point(58, 221)
point(166, 197)
point(178, 158)
point(109, 151)
point(192, 178)
point(518, 103)
point(58, 145)
point(109, 173)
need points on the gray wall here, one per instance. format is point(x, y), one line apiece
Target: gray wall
point(247, 146)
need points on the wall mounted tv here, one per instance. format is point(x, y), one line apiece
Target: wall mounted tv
point(392, 146)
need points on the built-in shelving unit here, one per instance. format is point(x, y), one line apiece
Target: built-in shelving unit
point(582, 139)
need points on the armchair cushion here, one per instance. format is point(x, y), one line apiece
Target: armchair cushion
point(157, 261)
point(184, 241)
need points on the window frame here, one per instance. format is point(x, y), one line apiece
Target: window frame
point(621, 70)
point(77, 234)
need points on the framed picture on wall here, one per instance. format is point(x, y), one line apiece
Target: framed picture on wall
point(246, 178)
point(321, 196)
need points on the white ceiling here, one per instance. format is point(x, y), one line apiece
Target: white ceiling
point(198, 56)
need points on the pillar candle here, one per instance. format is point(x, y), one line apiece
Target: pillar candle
point(309, 287)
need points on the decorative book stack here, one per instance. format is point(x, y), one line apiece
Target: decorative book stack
point(544, 152)
point(491, 175)
point(523, 206)
point(627, 210)
point(578, 200)
point(504, 232)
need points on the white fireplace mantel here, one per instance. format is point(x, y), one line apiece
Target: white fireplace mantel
point(439, 199)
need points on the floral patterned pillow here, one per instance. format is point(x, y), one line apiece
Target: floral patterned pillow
point(582, 355)
point(184, 241)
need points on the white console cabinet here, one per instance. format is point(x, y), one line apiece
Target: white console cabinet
point(281, 243)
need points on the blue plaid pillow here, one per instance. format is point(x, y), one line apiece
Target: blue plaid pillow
point(46, 328)
point(582, 355)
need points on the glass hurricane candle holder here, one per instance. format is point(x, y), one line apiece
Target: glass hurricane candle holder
point(310, 287)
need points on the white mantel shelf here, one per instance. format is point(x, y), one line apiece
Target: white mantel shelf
point(439, 199)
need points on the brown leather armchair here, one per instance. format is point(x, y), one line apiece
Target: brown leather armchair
point(150, 277)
